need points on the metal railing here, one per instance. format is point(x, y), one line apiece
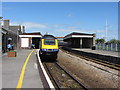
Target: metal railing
point(108, 47)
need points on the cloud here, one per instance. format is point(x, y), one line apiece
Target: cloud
point(59, 25)
point(69, 15)
point(34, 25)
point(15, 23)
point(100, 31)
point(7, 8)
point(70, 30)
point(29, 25)
point(72, 27)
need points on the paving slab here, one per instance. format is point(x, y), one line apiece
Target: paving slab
point(11, 70)
point(32, 78)
point(102, 52)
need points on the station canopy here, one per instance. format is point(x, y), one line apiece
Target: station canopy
point(36, 34)
point(78, 35)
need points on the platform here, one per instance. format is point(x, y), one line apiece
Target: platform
point(101, 52)
point(107, 56)
point(12, 68)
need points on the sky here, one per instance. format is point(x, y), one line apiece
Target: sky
point(62, 18)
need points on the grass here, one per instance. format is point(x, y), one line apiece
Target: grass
point(12, 51)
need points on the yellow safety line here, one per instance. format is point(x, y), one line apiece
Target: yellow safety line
point(20, 82)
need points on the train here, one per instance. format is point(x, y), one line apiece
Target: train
point(48, 47)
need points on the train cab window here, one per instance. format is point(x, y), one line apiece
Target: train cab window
point(49, 42)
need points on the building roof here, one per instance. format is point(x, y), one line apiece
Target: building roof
point(4, 31)
point(59, 37)
point(34, 33)
point(75, 33)
point(15, 28)
point(78, 35)
point(8, 31)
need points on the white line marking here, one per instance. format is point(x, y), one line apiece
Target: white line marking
point(35, 65)
point(45, 73)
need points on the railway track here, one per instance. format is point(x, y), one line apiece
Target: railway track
point(61, 78)
point(98, 61)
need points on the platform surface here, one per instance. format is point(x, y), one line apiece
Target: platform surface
point(101, 52)
point(11, 70)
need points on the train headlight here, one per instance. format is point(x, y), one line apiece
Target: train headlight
point(55, 50)
point(44, 49)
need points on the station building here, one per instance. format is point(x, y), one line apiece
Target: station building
point(30, 38)
point(80, 40)
point(10, 34)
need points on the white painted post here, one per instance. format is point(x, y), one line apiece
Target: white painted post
point(103, 46)
point(96, 46)
point(111, 46)
point(116, 46)
point(107, 47)
point(81, 43)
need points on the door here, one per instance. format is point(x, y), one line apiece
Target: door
point(24, 42)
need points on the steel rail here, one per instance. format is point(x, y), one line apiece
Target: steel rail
point(98, 61)
point(55, 82)
point(68, 73)
point(71, 76)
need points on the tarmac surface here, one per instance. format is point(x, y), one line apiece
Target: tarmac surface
point(102, 52)
point(11, 70)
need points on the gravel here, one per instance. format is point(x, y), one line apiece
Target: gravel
point(91, 74)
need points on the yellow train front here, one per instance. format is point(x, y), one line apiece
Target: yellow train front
point(49, 47)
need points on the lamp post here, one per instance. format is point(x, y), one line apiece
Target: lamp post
point(0, 37)
point(18, 38)
point(1, 52)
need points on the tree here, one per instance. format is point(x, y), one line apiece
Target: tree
point(118, 41)
point(97, 41)
point(113, 41)
point(100, 40)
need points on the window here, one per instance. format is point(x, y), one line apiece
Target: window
point(49, 42)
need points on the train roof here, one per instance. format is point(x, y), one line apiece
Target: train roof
point(48, 37)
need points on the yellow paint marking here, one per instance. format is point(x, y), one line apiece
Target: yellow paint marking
point(20, 82)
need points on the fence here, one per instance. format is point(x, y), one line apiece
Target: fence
point(108, 47)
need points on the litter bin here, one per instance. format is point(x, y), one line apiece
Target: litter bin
point(93, 48)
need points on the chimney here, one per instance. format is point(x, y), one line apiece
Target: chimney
point(23, 29)
point(6, 24)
